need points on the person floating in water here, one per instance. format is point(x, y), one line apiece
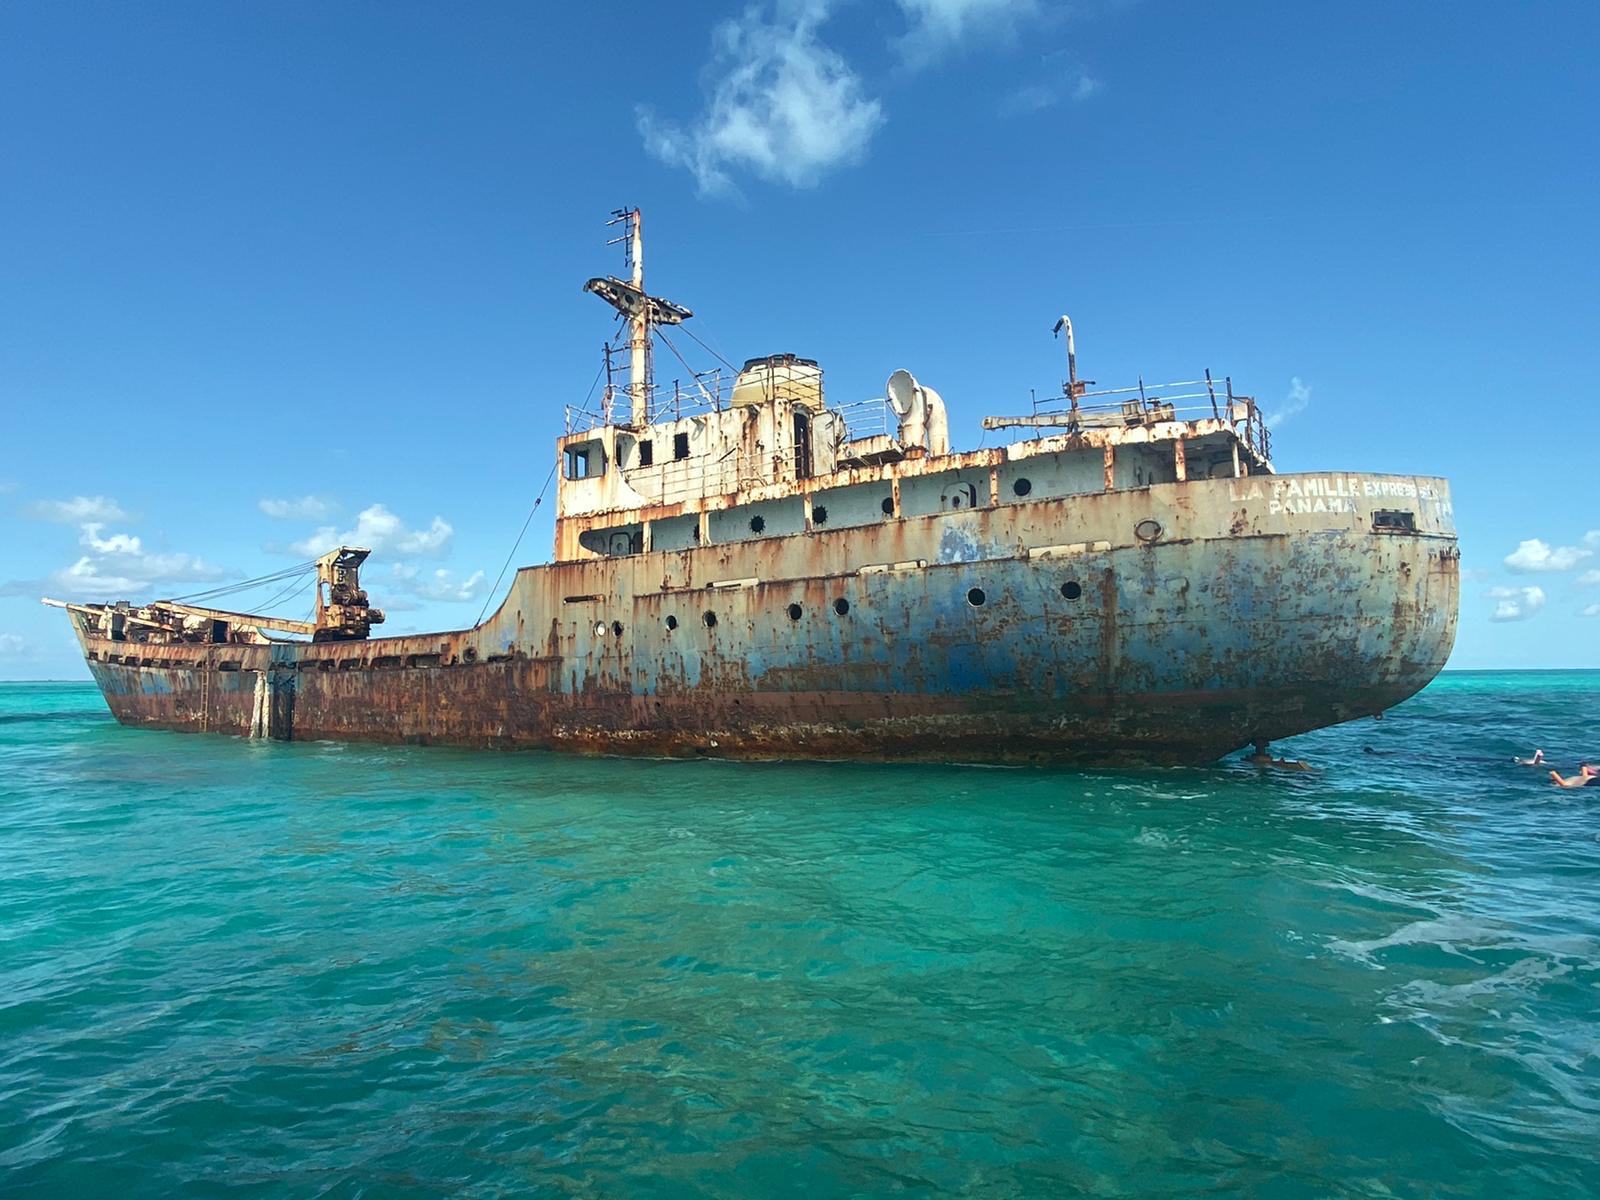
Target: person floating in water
point(1263, 758)
point(1536, 761)
point(1587, 774)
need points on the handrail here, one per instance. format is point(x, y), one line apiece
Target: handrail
point(1144, 403)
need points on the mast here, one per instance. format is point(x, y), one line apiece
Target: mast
point(641, 310)
point(639, 328)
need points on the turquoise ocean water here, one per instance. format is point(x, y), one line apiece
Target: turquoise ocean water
point(250, 969)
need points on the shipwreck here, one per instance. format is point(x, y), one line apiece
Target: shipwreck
point(744, 568)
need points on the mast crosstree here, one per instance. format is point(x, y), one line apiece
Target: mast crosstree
point(640, 309)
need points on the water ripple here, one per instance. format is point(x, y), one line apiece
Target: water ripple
point(355, 971)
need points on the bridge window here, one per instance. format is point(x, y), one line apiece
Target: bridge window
point(586, 461)
point(680, 446)
point(647, 453)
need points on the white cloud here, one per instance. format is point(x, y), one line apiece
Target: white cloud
point(381, 531)
point(1516, 603)
point(78, 510)
point(934, 26)
point(1590, 578)
point(306, 508)
point(1474, 574)
point(1036, 97)
point(439, 584)
point(13, 646)
point(1295, 402)
point(785, 106)
point(1590, 610)
point(122, 575)
point(1536, 555)
point(117, 543)
point(115, 567)
point(1592, 539)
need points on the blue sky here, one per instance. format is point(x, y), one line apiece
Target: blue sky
point(280, 272)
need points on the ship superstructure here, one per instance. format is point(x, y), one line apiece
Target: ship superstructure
point(743, 568)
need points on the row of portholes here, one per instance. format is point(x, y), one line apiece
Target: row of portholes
point(841, 606)
point(819, 512)
point(1071, 590)
point(977, 597)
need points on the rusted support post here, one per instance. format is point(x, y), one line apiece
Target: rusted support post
point(1236, 471)
point(644, 542)
point(894, 494)
point(1180, 460)
point(994, 487)
point(805, 501)
point(1111, 467)
point(702, 529)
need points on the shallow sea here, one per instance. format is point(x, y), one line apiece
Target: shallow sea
point(259, 969)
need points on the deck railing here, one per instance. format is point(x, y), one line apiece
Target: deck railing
point(1143, 404)
point(706, 391)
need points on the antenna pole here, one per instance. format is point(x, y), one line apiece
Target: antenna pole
point(639, 330)
point(1074, 388)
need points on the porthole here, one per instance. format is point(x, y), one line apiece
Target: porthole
point(710, 619)
point(887, 506)
point(470, 654)
point(1022, 487)
point(1072, 589)
point(976, 597)
point(955, 500)
point(1147, 530)
point(841, 606)
point(616, 628)
point(599, 629)
point(757, 523)
point(794, 612)
point(819, 514)
point(672, 621)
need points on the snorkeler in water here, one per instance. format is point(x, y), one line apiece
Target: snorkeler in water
point(1587, 774)
point(1261, 758)
point(1536, 761)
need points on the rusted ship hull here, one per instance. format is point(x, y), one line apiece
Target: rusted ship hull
point(1171, 623)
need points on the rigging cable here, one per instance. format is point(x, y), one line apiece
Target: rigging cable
point(692, 373)
point(291, 592)
point(714, 353)
point(537, 501)
point(517, 543)
point(246, 585)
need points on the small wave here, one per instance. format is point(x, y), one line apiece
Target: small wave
point(81, 714)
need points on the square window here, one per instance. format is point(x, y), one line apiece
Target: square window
point(680, 446)
point(647, 453)
point(586, 461)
